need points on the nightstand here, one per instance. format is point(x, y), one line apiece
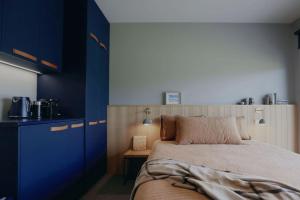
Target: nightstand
point(132, 163)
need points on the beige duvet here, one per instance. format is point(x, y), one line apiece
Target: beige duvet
point(251, 158)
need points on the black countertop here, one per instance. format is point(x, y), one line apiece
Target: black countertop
point(27, 122)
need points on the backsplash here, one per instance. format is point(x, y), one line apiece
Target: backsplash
point(15, 82)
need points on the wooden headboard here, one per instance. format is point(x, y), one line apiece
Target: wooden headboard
point(124, 122)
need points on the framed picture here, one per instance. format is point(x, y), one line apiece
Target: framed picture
point(172, 98)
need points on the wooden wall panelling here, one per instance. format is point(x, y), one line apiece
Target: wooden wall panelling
point(277, 125)
point(272, 124)
point(293, 139)
point(284, 128)
point(126, 121)
point(295, 128)
point(267, 116)
point(289, 129)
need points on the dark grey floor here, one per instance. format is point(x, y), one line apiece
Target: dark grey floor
point(112, 189)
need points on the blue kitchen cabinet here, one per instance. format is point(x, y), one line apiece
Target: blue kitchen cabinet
point(51, 34)
point(1, 17)
point(20, 28)
point(95, 152)
point(103, 34)
point(40, 161)
point(51, 158)
point(82, 85)
point(103, 135)
point(103, 149)
point(32, 31)
point(96, 89)
point(93, 63)
point(92, 143)
point(104, 86)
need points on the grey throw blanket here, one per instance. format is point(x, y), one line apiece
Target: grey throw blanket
point(214, 184)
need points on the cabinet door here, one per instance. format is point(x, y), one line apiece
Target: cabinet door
point(98, 57)
point(104, 83)
point(95, 143)
point(51, 157)
point(92, 80)
point(1, 28)
point(103, 150)
point(20, 28)
point(51, 34)
point(75, 150)
point(93, 64)
point(104, 72)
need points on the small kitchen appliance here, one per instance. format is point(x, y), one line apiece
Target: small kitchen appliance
point(36, 110)
point(20, 108)
point(50, 108)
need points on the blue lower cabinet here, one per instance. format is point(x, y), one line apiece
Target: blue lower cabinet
point(103, 130)
point(49, 158)
point(95, 143)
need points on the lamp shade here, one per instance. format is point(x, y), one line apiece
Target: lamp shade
point(147, 121)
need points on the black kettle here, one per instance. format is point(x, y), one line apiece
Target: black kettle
point(20, 108)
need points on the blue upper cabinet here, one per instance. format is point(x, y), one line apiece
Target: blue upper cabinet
point(93, 68)
point(104, 70)
point(1, 14)
point(51, 34)
point(33, 31)
point(20, 28)
point(97, 62)
point(104, 86)
point(93, 61)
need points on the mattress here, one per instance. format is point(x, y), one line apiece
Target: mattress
point(251, 157)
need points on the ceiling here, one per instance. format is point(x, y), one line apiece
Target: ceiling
point(211, 11)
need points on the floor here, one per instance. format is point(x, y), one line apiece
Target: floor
point(110, 188)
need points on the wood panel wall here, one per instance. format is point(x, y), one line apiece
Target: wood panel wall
point(124, 122)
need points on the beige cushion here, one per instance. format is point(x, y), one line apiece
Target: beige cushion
point(209, 130)
point(242, 128)
point(168, 128)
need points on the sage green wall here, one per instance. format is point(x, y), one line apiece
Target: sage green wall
point(208, 63)
point(296, 26)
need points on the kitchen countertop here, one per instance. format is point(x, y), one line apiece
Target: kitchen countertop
point(27, 122)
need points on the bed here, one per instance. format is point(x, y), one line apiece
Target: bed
point(251, 157)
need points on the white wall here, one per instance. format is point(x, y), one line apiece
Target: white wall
point(208, 63)
point(15, 82)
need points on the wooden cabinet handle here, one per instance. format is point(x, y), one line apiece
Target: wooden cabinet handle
point(24, 55)
point(93, 123)
point(77, 125)
point(94, 37)
point(103, 45)
point(49, 64)
point(102, 122)
point(59, 128)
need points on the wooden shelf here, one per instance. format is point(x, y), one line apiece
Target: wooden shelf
point(136, 154)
